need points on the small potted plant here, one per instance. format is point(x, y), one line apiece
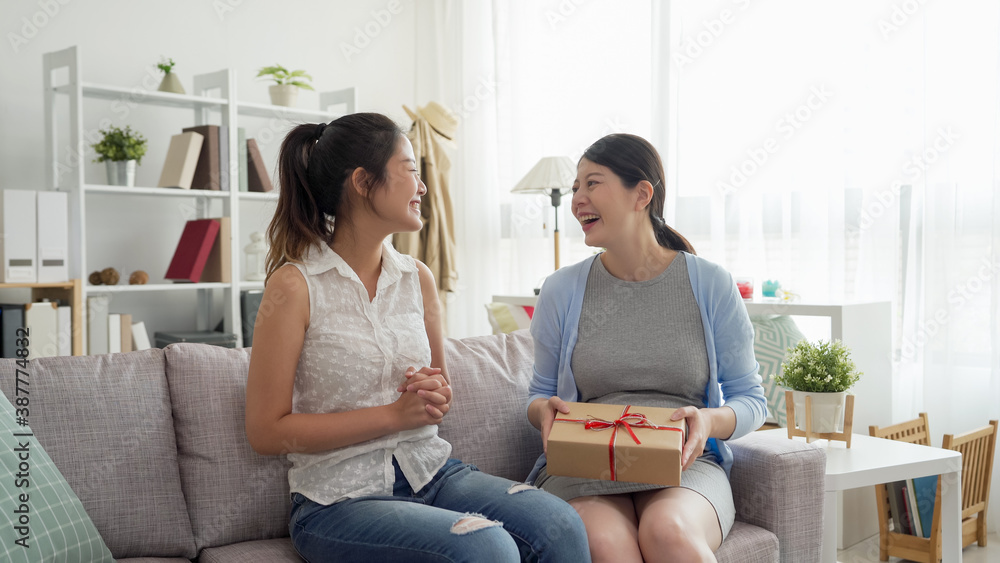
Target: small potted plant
point(121, 150)
point(170, 81)
point(285, 91)
point(823, 371)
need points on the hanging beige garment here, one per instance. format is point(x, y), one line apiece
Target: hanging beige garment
point(434, 244)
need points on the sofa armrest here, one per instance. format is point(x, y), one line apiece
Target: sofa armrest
point(778, 485)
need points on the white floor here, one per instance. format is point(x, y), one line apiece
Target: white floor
point(867, 552)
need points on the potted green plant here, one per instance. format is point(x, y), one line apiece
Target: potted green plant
point(170, 82)
point(823, 371)
point(121, 150)
point(285, 91)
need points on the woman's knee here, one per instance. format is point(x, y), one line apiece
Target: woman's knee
point(671, 537)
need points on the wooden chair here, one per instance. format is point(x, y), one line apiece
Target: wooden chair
point(977, 448)
point(916, 431)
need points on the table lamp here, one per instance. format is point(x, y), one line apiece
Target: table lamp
point(553, 176)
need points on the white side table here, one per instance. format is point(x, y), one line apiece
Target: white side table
point(871, 461)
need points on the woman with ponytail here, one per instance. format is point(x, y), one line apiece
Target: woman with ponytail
point(645, 323)
point(347, 375)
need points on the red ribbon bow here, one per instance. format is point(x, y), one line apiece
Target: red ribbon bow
point(627, 420)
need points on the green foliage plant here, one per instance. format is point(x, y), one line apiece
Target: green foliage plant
point(824, 367)
point(120, 144)
point(281, 75)
point(166, 65)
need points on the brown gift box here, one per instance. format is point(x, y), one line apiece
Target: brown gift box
point(574, 450)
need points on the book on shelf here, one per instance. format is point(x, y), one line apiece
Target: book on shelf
point(218, 268)
point(925, 495)
point(114, 333)
point(212, 171)
point(41, 320)
point(249, 305)
point(241, 149)
point(257, 178)
point(140, 338)
point(182, 160)
point(64, 325)
point(911, 509)
point(192, 250)
point(97, 324)
point(11, 319)
point(125, 330)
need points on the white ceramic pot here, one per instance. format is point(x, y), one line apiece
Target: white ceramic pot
point(121, 172)
point(283, 94)
point(827, 410)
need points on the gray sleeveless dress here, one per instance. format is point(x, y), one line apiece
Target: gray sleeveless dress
point(643, 343)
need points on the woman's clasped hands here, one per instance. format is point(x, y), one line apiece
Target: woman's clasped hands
point(425, 397)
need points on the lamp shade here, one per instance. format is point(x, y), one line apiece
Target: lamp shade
point(551, 172)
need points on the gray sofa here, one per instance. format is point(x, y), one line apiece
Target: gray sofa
point(153, 444)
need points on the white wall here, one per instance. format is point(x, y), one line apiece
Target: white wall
point(120, 42)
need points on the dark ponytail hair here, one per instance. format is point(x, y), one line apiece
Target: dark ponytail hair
point(314, 164)
point(634, 159)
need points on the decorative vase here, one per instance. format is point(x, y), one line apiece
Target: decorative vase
point(121, 172)
point(283, 94)
point(827, 410)
point(171, 83)
point(256, 253)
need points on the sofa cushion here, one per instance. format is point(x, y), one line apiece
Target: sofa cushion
point(488, 423)
point(106, 423)
point(264, 551)
point(234, 494)
point(45, 518)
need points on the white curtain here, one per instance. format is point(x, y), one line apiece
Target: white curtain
point(849, 150)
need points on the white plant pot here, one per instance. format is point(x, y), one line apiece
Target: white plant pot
point(827, 410)
point(121, 172)
point(283, 94)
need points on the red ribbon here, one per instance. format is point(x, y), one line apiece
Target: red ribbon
point(627, 421)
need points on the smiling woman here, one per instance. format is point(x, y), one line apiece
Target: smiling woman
point(349, 367)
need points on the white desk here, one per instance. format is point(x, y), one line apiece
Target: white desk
point(871, 461)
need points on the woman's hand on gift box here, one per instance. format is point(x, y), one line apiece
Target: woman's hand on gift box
point(543, 412)
point(702, 424)
point(698, 432)
point(430, 385)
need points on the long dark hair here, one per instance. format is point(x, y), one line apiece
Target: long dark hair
point(634, 159)
point(314, 164)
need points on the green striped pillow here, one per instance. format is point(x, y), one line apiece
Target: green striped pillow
point(47, 524)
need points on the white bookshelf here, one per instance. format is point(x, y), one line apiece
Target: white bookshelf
point(212, 93)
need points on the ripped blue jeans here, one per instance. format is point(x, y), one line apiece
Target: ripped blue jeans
point(461, 515)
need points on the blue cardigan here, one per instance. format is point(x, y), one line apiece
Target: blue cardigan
point(733, 378)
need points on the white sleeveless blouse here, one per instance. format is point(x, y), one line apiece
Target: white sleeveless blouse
point(354, 356)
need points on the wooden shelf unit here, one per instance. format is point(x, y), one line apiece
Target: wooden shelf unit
point(63, 78)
